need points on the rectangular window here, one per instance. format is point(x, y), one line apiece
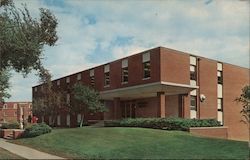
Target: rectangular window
point(193, 72)
point(220, 104)
point(125, 71)
point(68, 99)
point(146, 70)
point(5, 106)
point(58, 120)
point(79, 76)
point(67, 79)
point(106, 79)
point(106, 75)
point(220, 78)
point(35, 89)
point(15, 106)
point(193, 103)
point(92, 77)
point(58, 82)
point(125, 75)
point(146, 65)
point(79, 117)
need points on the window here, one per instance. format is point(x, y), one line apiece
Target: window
point(58, 82)
point(5, 106)
point(15, 106)
point(106, 75)
point(92, 77)
point(79, 117)
point(125, 75)
point(220, 78)
point(58, 120)
point(193, 103)
point(125, 71)
point(146, 68)
point(68, 99)
point(146, 65)
point(79, 76)
point(220, 104)
point(193, 72)
point(35, 89)
point(67, 79)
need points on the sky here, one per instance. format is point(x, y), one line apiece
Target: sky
point(93, 32)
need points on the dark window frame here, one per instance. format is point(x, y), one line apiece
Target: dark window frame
point(193, 103)
point(193, 74)
point(125, 75)
point(146, 69)
point(106, 78)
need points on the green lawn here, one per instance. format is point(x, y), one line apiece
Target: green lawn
point(134, 143)
point(4, 154)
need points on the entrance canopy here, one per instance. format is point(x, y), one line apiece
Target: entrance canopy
point(147, 90)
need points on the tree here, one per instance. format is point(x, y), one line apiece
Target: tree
point(22, 38)
point(85, 99)
point(245, 100)
point(50, 100)
point(4, 85)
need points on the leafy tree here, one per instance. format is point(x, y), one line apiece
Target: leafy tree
point(4, 84)
point(22, 39)
point(245, 100)
point(85, 99)
point(49, 100)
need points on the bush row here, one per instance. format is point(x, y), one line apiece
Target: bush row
point(163, 123)
point(14, 125)
point(37, 130)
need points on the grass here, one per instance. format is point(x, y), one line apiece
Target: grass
point(134, 143)
point(4, 154)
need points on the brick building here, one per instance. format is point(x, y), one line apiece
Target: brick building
point(162, 82)
point(15, 111)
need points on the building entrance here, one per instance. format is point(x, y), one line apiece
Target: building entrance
point(128, 109)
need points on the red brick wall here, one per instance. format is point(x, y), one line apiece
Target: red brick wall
point(150, 109)
point(208, 87)
point(174, 66)
point(215, 132)
point(234, 78)
point(172, 106)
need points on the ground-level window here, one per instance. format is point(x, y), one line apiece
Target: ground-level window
point(193, 103)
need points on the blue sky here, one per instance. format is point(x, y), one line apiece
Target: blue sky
point(93, 32)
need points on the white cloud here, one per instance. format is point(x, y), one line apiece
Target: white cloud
point(217, 30)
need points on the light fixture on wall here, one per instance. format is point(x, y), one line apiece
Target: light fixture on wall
point(202, 97)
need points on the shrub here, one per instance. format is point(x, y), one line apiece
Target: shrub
point(37, 130)
point(13, 125)
point(163, 123)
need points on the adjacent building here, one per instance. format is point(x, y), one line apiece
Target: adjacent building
point(161, 82)
point(15, 111)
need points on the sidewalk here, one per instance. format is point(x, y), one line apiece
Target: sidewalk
point(25, 152)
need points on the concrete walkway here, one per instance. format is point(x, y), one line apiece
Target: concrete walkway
point(25, 152)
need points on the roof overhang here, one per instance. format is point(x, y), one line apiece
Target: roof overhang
point(147, 90)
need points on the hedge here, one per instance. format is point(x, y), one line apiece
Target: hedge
point(163, 123)
point(14, 125)
point(37, 130)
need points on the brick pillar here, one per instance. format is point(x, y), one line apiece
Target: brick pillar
point(161, 104)
point(116, 107)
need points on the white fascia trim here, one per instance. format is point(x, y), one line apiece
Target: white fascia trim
point(179, 85)
point(150, 84)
